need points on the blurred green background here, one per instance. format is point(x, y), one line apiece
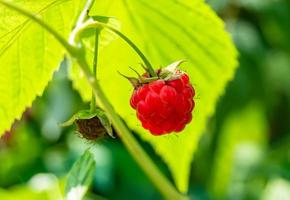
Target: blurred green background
point(244, 153)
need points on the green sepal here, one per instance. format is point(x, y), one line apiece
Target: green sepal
point(148, 80)
point(88, 114)
point(169, 72)
point(137, 82)
point(134, 81)
point(174, 66)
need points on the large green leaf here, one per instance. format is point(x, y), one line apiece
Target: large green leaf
point(28, 54)
point(168, 30)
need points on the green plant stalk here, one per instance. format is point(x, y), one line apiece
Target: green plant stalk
point(158, 179)
point(96, 24)
point(84, 14)
point(95, 64)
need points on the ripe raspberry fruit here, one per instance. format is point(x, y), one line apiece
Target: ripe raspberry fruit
point(164, 105)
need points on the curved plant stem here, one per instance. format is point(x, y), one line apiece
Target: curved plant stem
point(84, 14)
point(134, 47)
point(158, 179)
point(95, 24)
point(95, 63)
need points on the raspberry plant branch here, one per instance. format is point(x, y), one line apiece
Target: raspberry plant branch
point(84, 14)
point(145, 162)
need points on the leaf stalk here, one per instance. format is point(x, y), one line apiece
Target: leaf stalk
point(95, 63)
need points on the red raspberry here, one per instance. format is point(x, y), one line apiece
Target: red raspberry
point(164, 106)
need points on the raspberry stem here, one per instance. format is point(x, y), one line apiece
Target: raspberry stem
point(95, 64)
point(84, 14)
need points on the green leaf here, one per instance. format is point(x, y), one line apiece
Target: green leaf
point(167, 31)
point(28, 54)
point(80, 177)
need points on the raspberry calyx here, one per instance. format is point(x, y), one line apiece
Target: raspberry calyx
point(91, 125)
point(165, 104)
